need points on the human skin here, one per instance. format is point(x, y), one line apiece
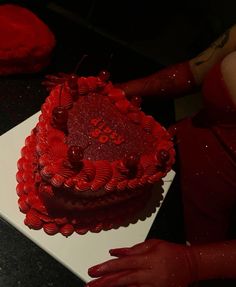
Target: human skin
point(142, 265)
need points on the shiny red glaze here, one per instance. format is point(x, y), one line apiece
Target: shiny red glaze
point(136, 101)
point(75, 155)
point(104, 75)
point(73, 81)
point(164, 155)
point(59, 115)
point(131, 161)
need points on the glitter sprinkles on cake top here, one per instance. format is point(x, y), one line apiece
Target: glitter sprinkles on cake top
point(92, 159)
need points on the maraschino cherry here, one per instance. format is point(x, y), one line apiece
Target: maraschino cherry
point(60, 117)
point(73, 81)
point(104, 75)
point(163, 155)
point(73, 85)
point(136, 101)
point(75, 155)
point(131, 162)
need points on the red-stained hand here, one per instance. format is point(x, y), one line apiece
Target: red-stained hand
point(154, 263)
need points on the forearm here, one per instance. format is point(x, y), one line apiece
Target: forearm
point(216, 260)
point(182, 78)
point(173, 81)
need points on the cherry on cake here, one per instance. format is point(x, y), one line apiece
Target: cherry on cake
point(92, 160)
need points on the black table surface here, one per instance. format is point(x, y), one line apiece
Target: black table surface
point(22, 263)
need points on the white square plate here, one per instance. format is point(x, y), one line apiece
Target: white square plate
point(77, 252)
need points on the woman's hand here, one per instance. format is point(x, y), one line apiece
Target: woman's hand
point(153, 263)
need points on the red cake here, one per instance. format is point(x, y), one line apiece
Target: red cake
point(92, 160)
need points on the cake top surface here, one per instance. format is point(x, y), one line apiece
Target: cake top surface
point(96, 123)
point(89, 136)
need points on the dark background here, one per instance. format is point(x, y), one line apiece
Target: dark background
point(142, 37)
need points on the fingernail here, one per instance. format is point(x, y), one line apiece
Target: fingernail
point(94, 271)
point(92, 283)
point(119, 251)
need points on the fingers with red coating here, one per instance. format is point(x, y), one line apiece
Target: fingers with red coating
point(123, 278)
point(116, 265)
point(55, 78)
point(136, 249)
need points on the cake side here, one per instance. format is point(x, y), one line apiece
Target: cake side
point(63, 216)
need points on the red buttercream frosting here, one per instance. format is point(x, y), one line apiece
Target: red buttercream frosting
point(92, 165)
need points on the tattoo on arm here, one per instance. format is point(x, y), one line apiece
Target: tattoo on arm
point(218, 44)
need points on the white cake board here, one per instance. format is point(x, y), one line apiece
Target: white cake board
point(77, 252)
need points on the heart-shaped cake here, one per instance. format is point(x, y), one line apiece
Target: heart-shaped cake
point(92, 160)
